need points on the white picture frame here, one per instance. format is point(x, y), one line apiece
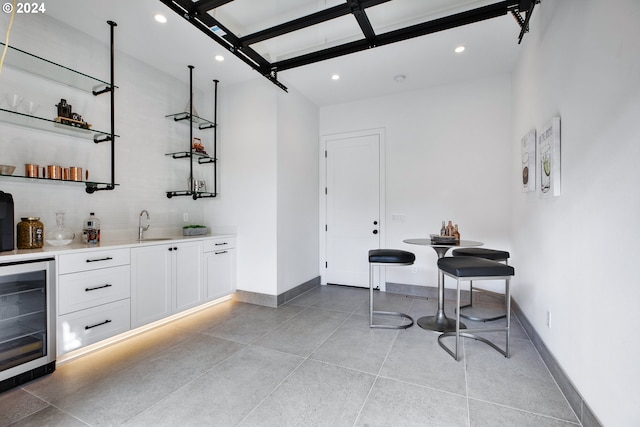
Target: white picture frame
point(549, 159)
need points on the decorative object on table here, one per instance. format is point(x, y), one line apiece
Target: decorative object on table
point(91, 230)
point(456, 233)
point(66, 116)
point(528, 160)
point(7, 169)
point(549, 158)
point(194, 230)
point(59, 236)
point(30, 233)
point(442, 240)
point(443, 229)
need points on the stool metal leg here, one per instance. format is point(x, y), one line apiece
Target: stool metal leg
point(469, 333)
point(481, 319)
point(383, 313)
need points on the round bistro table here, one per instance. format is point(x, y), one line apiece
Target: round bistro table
point(440, 322)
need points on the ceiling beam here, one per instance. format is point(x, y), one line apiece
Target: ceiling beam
point(358, 11)
point(440, 24)
point(204, 6)
point(306, 21)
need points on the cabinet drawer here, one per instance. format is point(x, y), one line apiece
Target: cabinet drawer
point(93, 259)
point(91, 288)
point(219, 244)
point(95, 324)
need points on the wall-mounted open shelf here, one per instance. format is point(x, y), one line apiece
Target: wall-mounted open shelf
point(88, 184)
point(192, 121)
point(41, 67)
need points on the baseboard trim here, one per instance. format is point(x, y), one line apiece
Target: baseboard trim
point(577, 403)
point(275, 300)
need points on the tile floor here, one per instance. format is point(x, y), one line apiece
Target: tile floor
point(311, 362)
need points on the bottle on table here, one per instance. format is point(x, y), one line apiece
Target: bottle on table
point(443, 230)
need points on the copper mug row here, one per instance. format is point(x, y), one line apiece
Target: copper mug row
point(72, 173)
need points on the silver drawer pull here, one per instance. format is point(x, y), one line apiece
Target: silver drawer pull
point(98, 324)
point(221, 244)
point(108, 285)
point(221, 252)
point(100, 259)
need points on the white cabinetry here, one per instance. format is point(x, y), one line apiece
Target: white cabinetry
point(219, 267)
point(93, 297)
point(165, 279)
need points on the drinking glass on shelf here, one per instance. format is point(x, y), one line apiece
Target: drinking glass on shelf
point(14, 101)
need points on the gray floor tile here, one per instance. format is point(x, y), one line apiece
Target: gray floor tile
point(224, 395)
point(484, 414)
point(417, 358)
point(249, 326)
point(394, 403)
point(355, 345)
point(521, 382)
point(49, 417)
point(16, 404)
point(316, 394)
point(125, 394)
point(304, 333)
point(312, 362)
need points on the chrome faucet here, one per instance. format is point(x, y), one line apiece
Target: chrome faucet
point(142, 229)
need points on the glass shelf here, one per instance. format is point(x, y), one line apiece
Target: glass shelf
point(42, 67)
point(202, 123)
point(194, 194)
point(40, 123)
point(202, 158)
point(19, 178)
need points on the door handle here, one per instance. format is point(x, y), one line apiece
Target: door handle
point(375, 231)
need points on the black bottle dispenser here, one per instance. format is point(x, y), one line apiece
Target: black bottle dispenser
point(6, 222)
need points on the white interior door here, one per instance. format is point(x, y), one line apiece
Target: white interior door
point(353, 206)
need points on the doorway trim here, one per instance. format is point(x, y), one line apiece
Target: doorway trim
point(379, 279)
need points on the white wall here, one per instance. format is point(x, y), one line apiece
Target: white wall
point(297, 136)
point(447, 151)
point(574, 255)
point(142, 169)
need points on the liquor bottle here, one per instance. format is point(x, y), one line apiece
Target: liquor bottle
point(456, 233)
point(443, 230)
point(449, 231)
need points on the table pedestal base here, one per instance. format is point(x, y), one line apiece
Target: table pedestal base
point(439, 323)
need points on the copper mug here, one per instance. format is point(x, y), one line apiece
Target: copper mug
point(54, 172)
point(75, 173)
point(31, 170)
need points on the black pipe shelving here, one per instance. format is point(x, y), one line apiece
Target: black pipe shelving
point(192, 120)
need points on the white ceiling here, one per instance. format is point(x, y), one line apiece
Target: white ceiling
point(425, 61)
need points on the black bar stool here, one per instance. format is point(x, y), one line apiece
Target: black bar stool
point(473, 268)
point(492, 254)
point(383, 258)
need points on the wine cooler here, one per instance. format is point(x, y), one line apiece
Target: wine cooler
point(27, 321)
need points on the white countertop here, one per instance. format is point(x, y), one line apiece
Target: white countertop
point(49, 251)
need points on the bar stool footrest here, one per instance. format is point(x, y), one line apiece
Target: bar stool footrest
point(468, 334)
point(391, 313)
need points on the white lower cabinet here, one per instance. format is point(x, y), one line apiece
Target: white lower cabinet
point(165, 279)
point(93, 297)
point(219, 267)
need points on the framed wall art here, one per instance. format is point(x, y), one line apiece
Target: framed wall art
point(528, 162)
point(549, 158)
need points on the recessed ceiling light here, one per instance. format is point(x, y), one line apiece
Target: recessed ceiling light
point(160, 18)
point(335, 77)
point(219, 58)
point(459, 49)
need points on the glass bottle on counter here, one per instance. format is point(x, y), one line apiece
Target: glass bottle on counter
point(91, 230)
point(30, 233)
point(60, 235)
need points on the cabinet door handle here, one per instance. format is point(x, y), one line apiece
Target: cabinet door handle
point(100, 259)
point(108, 285)
point(221, 252)
point(221, 244)
point(97, 324)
